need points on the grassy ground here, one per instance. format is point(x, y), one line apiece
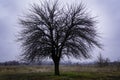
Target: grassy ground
point(67, 73)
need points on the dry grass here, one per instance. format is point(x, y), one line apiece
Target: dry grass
point(67, 73)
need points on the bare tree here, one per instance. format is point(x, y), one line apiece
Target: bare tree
point(52, 31)
point(101, 61)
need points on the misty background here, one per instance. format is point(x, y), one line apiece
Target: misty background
point(106, 13)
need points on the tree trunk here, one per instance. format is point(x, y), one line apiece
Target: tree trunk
point(56, 68)
point(56, 60)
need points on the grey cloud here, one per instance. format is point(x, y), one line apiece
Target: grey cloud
point(8, 17)
point(11, 9)
point(113, 39)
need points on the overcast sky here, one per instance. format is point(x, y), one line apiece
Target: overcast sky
point(107, 12)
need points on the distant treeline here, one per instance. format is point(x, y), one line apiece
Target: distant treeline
point(17, 63)
point(12, 63)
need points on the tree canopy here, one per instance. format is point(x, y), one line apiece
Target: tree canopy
point(52, 31)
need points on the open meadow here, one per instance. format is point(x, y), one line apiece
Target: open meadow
point(67, 73)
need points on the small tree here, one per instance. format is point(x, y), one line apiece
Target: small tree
point(51, 31)
point(101, 61)
point(107, 62)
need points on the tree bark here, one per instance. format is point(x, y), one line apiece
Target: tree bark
point(56, 68)
point(56, 60)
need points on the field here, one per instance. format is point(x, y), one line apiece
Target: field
point(67, 73)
